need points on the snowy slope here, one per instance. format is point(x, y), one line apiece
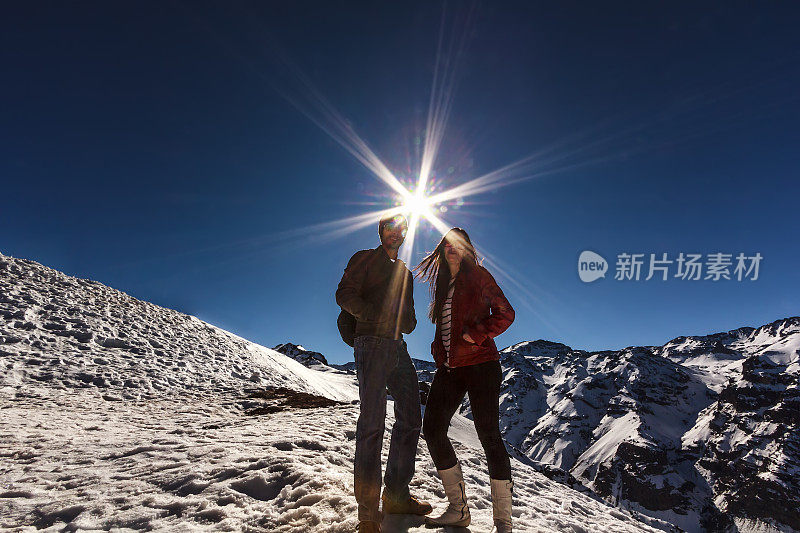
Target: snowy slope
point(71, 333)
point(121, 415)
point(185, 464)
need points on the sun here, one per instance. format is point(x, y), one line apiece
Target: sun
point(417, 204)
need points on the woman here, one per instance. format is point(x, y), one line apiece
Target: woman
point(469, 309)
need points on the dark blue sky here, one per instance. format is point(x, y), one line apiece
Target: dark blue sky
point(151, 146)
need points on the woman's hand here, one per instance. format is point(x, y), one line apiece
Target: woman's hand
point(468, 338)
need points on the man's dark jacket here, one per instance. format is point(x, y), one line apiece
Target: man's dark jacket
point(379, 293)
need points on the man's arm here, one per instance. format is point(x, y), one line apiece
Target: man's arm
point(348, 293)
point(409, 316)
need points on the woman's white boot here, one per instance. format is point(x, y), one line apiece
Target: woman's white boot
point(457, 512)
point(501, 505)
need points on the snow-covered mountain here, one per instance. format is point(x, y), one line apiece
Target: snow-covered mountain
point(701, 432)
point(120, 414)
point(748, 440)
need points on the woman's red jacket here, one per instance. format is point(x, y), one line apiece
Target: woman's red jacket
point(480, 309)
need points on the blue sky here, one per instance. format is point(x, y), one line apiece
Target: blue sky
point(155, 147)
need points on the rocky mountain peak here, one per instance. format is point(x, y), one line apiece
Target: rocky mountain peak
point(300, 354)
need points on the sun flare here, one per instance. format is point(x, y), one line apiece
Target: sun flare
point(417, 204)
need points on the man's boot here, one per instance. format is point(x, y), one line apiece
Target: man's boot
point(367, 526)
point(457, 512)
point(407, 505)
point(501, 505)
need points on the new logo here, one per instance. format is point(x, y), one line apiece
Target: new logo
point(591, 266)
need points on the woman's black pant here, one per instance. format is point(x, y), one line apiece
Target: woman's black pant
point(482, 383)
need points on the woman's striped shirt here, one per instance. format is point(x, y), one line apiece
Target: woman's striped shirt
point(447, 308)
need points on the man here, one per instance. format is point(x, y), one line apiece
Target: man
point(377, 289)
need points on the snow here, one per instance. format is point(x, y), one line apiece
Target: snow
point(75, 333)
point(118, 414)
point(611, 432)
point(188, 463)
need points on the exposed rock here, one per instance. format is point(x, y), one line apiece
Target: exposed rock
point(300, 354)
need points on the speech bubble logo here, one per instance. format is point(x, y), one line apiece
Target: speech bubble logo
point(591, 266)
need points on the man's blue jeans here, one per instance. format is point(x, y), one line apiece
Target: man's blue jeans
point(381, 364)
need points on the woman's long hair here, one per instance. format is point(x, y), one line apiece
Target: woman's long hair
point(433, 269)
